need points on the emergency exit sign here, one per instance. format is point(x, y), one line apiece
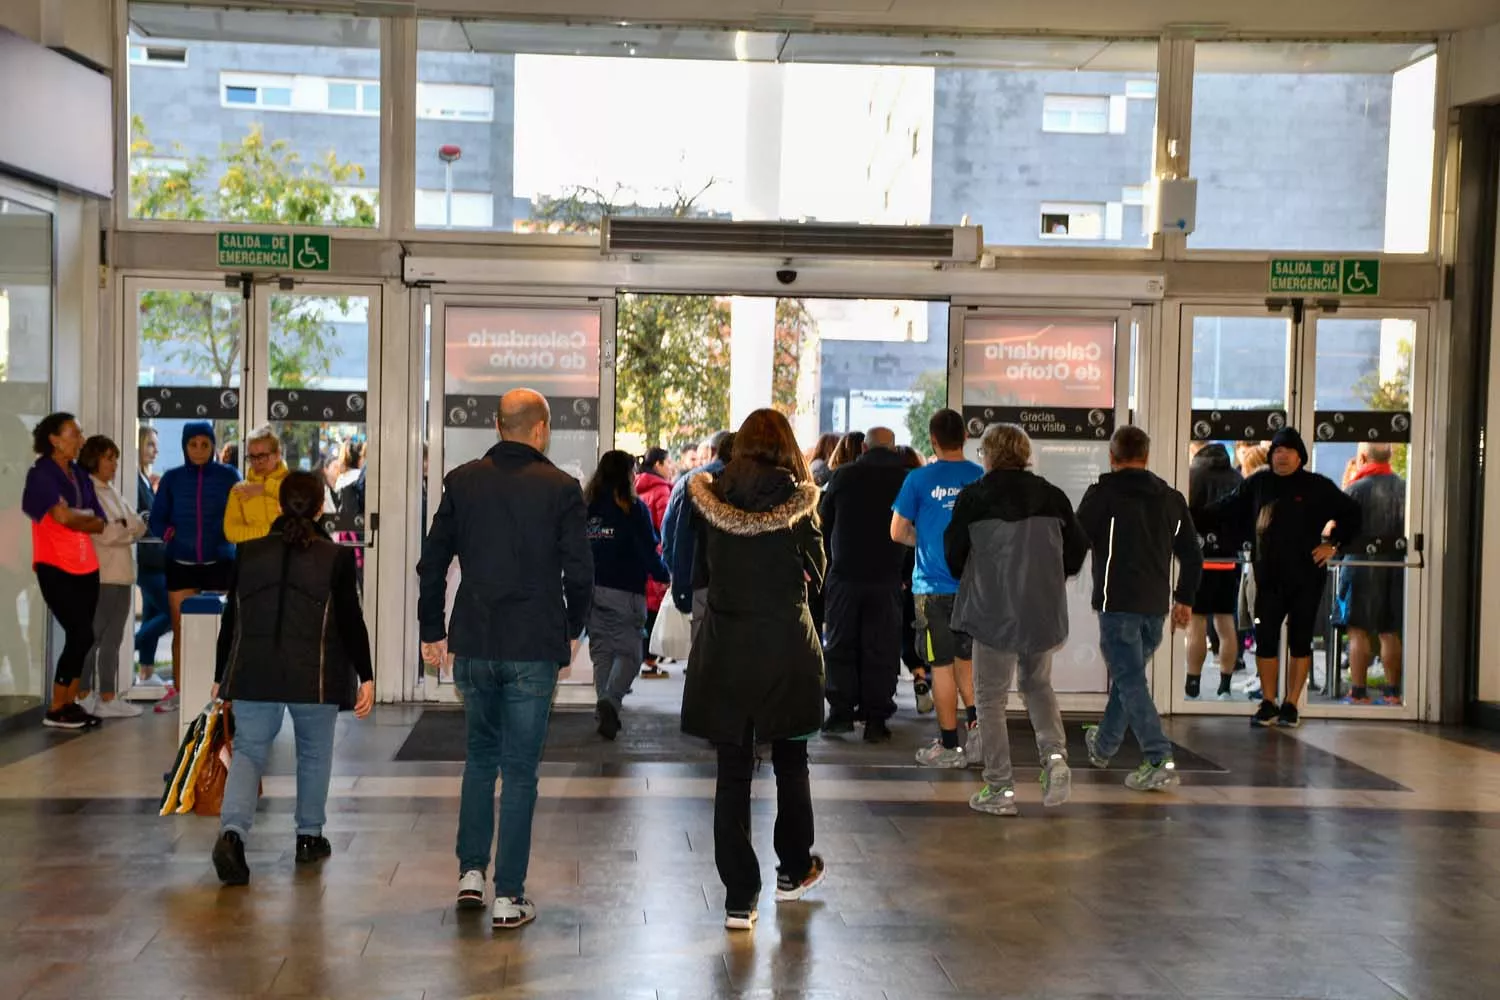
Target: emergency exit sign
point(274, 251)
point(1325, 276)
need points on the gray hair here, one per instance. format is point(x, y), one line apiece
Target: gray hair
point(1005, 446)
point(263, 433)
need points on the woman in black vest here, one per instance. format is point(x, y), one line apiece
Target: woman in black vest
point(293, 640)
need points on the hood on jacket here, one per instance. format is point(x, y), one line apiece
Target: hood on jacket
point(750, 499)
point(1288, 437)
point(1214, 457)
point(198, 428)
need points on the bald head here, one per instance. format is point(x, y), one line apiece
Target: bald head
point(1374, 453)
point(525, 418)
point(880, 437)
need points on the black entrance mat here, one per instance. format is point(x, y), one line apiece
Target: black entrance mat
point(653, 736)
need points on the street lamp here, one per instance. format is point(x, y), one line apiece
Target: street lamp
point(448, 153)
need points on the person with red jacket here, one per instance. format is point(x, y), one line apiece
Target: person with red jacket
point(654, 486)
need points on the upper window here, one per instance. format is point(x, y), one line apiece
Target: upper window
point(158, 55)
point(1314, 146)
point(228, 140)
point(1069, 113)
point(1062, 220)
point(548, 118)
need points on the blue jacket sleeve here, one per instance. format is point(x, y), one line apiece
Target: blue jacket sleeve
point(161, 507)
point(645, 535)
point(669, 521)
point(680, 542)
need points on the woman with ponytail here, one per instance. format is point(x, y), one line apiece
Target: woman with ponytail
point(293, 640)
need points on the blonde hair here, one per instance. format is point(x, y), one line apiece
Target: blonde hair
point(1005, 446)
point(1254, 459)
point(263, 433)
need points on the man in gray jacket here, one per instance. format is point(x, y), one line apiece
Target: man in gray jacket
point(1012, 544)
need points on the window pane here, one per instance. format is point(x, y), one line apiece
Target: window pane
point(885, 129)
point(371, 96)
point(300, 156)
point(343, 97)
point(1313, 146)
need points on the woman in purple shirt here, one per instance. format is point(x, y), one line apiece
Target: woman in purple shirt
point(64, 511)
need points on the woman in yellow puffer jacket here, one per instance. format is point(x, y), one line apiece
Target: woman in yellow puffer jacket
point(255, 504)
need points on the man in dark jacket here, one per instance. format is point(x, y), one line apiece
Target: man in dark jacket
point(1012, 544)
point(517, 525)
point(1375, 602)
point(862, 601)
point(1285, 513)
point(1136, 523)
point(679, 528)
point(1211, 476)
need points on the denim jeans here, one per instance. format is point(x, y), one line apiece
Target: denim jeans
point(1127, 642)
point(507, 704)
point(256, 724)
point(156, 619)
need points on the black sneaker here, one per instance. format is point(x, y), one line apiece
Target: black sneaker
point(876, 731)
point(229, 859)
point(789, 890)
point(1193, 686)
point(1224, 682)
point(1267, 715)
point(609, 719)
point(1289, 718)
point(310, 849)
point(838, 723)
point(70, 716)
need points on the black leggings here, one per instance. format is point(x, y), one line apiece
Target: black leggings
point(735, 856)
point(1295, 602)
point(72, 599)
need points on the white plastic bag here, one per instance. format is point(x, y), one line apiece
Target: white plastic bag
point(673, 635)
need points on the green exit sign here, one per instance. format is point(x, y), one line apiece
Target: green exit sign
point(241, 251)
point(1325, 276)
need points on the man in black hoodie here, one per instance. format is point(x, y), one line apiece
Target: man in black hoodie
point(862, 599)
point(1285, 513)
point(1136, 523)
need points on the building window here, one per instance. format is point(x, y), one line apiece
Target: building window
point(471, 209)
point(1140, 90)
point(1085, 115)
point(353, 97)
point(158, 55)
point(1071, 220)
point(455, 101)
point(256, 90)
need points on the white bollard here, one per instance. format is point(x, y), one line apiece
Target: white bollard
point(200, 641)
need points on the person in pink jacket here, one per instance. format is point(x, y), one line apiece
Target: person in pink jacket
point(654, 486)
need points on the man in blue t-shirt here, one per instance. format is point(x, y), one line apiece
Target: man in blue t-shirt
point(920, 517)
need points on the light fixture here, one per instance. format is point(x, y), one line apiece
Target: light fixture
point(741, 46)
point(938, 54)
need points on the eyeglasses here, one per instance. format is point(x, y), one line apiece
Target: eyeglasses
point(257, 456)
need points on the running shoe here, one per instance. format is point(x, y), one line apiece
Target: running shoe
point(471, 891)
point(997, 800)
point(511, 912)
point(1192, 686)
point(1151, 777)
point(70, 716)
point(935, 754)
point(1057, 781)
point(789, 891)
point(1224, 687)
point(924, 697)
point(1091, 742)
point(118, 708)
point(1267, 715)
point(741, 920)
point(1289, 717)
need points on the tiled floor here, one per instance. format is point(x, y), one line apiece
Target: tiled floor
point(1341, 861)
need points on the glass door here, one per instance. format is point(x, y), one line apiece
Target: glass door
point(483, 347)
point(1063, 375)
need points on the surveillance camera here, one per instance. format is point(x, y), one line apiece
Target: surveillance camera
point(786, 275)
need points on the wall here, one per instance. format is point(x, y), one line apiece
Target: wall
point(85, 27)
point(1475, 77)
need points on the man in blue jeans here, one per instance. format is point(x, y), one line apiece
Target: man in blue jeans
point(1136, 523)
point(517, 525)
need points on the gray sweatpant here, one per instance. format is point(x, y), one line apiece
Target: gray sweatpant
point(994, 672)
point(616, 623)
point(101, 671)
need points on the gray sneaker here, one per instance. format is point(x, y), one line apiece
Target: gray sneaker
point(1057, 780)
point(997, 800)
point(974, 746)
point(935, 754)
point(1091, 741)
point(1151, 777)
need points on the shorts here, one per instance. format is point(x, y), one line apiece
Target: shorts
point(1218, 592)
point(211, 577)
point(937, 641)
point(1297, 606)
point(1375, 598)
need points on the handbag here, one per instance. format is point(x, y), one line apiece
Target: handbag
point(208, 789)
point(673, 635)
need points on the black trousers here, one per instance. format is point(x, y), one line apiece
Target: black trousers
point(734, 853)
point(863, 653)
point(72, 599)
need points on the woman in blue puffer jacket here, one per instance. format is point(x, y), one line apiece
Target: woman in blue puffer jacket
point(188, 515)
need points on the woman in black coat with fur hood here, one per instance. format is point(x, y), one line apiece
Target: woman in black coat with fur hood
point(756, 671)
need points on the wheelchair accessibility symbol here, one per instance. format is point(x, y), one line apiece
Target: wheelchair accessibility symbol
point(1359, 277)
point(310, 253)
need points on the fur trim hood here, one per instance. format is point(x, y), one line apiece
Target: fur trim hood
point(722, 513)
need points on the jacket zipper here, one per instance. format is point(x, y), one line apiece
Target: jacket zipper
point(200, 513)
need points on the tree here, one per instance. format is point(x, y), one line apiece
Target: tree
point(262, 182)
point(932, 395)
point(796, 331)
point(1390, 395)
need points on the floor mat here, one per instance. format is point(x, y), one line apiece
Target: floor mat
point(653, 736)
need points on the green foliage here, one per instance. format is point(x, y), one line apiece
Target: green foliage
point(796, 332)
point(932, 395)
point(1393, 394)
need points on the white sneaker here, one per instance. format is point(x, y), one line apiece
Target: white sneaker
point(1057, 781)
point(119, 708)
point(741, 920)
point(935, 754)
point(154, 680)
point(471, 891)
point(511, 912)
point(91, 705)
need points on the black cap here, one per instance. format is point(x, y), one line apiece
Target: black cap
point(1288, 437)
